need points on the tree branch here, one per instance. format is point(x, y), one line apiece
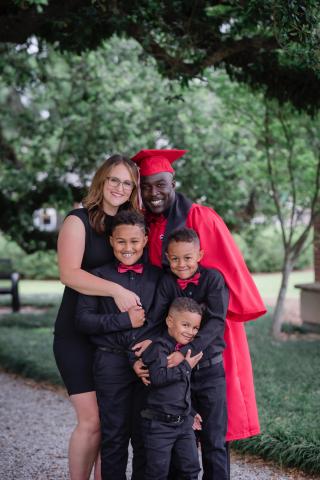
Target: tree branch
point(267, 141)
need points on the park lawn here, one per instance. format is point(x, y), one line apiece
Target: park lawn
point(269, 283)
point(36, 293)
point(286, 380)
point(287, 384)
point(26, 345)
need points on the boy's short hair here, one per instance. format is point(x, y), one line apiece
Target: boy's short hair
point(183, 235)
point(185, 304)
point(128, 217)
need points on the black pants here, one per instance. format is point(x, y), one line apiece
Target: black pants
point(208, 390)
point(166, 441)
point(121, 398)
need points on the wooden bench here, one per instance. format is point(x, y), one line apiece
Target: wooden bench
point(12, 278)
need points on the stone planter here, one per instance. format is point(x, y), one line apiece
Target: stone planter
point(310, 304)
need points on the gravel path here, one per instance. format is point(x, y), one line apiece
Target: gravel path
point(35, 424)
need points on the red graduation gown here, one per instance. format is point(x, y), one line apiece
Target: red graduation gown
point(221, 252)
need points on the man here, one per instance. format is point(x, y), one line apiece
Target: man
point(167, 210)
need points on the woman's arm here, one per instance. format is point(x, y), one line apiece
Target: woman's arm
point(71, 245)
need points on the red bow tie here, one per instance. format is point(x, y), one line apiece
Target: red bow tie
point(184, 283)
point(137, 268)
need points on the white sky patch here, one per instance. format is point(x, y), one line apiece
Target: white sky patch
point(226, 27)
point(25, 100)
point(162, 143)
point(73, 179)
point(41, 176)
point(33, 46)
point(44, 114)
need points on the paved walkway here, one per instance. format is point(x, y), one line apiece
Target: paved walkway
point(35, 424)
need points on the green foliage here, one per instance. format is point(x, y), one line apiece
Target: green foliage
point(67, 111)
point(293, 328)
point(273, 45)
point(79, 108)
point(287, 384)
point(263, 250)
point(26, 345)
point(29, 353)
point(39, 265)
point(29, 320)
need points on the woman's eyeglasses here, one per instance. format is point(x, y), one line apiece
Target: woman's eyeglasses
point(116, 182)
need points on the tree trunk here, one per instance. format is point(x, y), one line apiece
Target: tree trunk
point(316, 249)
point(277, 316)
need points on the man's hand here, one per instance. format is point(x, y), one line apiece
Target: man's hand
point(197, 422)
point(137, 316)
point(193, 360)
point(140, 347)
point(142, 371)
point(174, 359)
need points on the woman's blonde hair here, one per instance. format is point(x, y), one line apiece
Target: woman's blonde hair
point(94, 199)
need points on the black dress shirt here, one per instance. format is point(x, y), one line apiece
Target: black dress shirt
point(169, 391)
point(100, 317)
point(213, 294)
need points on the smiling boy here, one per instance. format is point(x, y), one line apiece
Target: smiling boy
point(167, 420)
point(120, 393)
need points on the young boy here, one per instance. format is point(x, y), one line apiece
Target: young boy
point(188, 279)
point(120, 393)
point(166, 420)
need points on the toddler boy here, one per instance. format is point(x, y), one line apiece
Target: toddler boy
point(167, 423)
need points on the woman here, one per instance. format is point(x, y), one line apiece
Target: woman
point(82, 245)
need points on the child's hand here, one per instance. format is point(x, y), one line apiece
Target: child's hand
point(174, 359)
point(193, 360)
point(197, 422)
point(142, 371)
point(140, 347)
point(137, 316)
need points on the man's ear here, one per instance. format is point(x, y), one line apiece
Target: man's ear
point(173, 183)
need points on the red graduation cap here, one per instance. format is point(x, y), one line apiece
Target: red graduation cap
point(151, 162)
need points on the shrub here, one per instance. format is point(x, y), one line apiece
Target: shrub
point(39, 265)
point(263, 250)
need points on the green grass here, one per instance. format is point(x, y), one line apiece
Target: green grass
point(269, 283)
point(36, 293)
point(26, 345)
point(287, 383)
point(286, 379)
point(30, 287)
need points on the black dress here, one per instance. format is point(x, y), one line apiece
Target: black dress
point(72, 350)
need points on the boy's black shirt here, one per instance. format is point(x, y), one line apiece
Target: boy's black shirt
point(213, 294)
point(169, 391)
point(100, 317)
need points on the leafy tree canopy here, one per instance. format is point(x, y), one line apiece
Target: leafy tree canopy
point(272, 44)
point(62, 113)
